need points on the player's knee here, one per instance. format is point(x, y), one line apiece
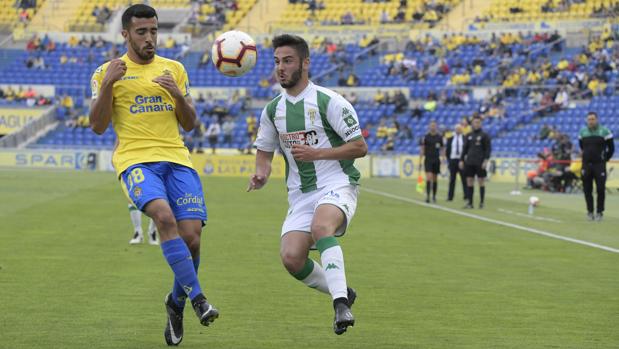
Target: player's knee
point(193, 243)
point(321, 230)
point(293, 262)
point(165, 221)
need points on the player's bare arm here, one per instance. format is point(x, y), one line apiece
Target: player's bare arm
point(349, 151)
point(185, 111)
point(263, 170)
point(101, 107)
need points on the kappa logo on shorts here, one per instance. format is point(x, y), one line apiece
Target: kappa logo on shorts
point(137, 192)
point(332, 194)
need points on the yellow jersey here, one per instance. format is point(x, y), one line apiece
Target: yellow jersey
point(143, 114)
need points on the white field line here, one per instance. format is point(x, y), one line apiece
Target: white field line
point(537, 218)
point(493, 221)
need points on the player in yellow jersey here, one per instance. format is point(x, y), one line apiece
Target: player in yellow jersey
point(146, 97)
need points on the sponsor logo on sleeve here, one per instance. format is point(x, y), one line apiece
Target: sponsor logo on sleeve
point(348, 117)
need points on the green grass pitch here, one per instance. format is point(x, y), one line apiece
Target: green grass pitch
point(426, 278)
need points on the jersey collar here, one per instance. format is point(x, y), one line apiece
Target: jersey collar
point(128, 60)
point(300, 96)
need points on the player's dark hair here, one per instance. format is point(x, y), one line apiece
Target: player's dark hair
point(593, 113)
point(296, 42)
point(138, 11)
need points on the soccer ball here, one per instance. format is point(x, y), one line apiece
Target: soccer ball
point(533, 201)
point(234, 53)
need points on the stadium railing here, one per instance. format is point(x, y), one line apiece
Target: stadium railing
point(30, 131)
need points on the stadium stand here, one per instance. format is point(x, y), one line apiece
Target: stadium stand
point(220, 15)
point(537, 10)
point(530, 79)
point(351, 12)
point(17, 14)
point(514, 114)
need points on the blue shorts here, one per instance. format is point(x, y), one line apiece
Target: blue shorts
point(177, 184)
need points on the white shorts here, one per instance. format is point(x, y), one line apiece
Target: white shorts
point(302, 206)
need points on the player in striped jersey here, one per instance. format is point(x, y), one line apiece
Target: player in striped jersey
point(318, 132)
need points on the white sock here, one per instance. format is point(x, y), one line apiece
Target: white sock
point(333, 265)
point(151, 226)
point(316, 277)
point(136, 219)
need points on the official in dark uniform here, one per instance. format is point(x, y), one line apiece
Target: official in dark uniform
point(474, 160)
point(431, 149)
point(453, 151)
point(597, 146)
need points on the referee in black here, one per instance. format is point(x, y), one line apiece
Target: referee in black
point(474, 159)
point(431, 149)
point(597, 146)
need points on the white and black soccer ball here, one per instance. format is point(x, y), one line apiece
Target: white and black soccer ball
point(234, 53)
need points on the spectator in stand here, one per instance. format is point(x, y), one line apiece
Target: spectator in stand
point(380, 98)
point(418, 14)
point(353, 98)
point(389, 145)
point(404, 133)
point(400, 101)
point(204, 59)
point(183, 51)
point(347, 18)
point(212, 134)
point(562, 99)
point(67, 103)
point(170, 42)
point(431, 17)
point(365, 131)
point(382, 131)
point(33, 44)
point(392, 130)
point(545, 132)
point(400, 15)
point(228, 129)
point(39, 63)
point(352, 80)
point(252, 131)
point(546, 106)
point(430, 104)
point(384, 17)
point(9, 94)
point(24, 16)
point(466, 126)
point(197, 137)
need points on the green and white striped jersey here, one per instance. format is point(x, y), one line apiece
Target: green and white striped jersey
point(317, 117)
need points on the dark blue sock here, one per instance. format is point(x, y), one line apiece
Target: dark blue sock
point(178, 294)
point(177, 254)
